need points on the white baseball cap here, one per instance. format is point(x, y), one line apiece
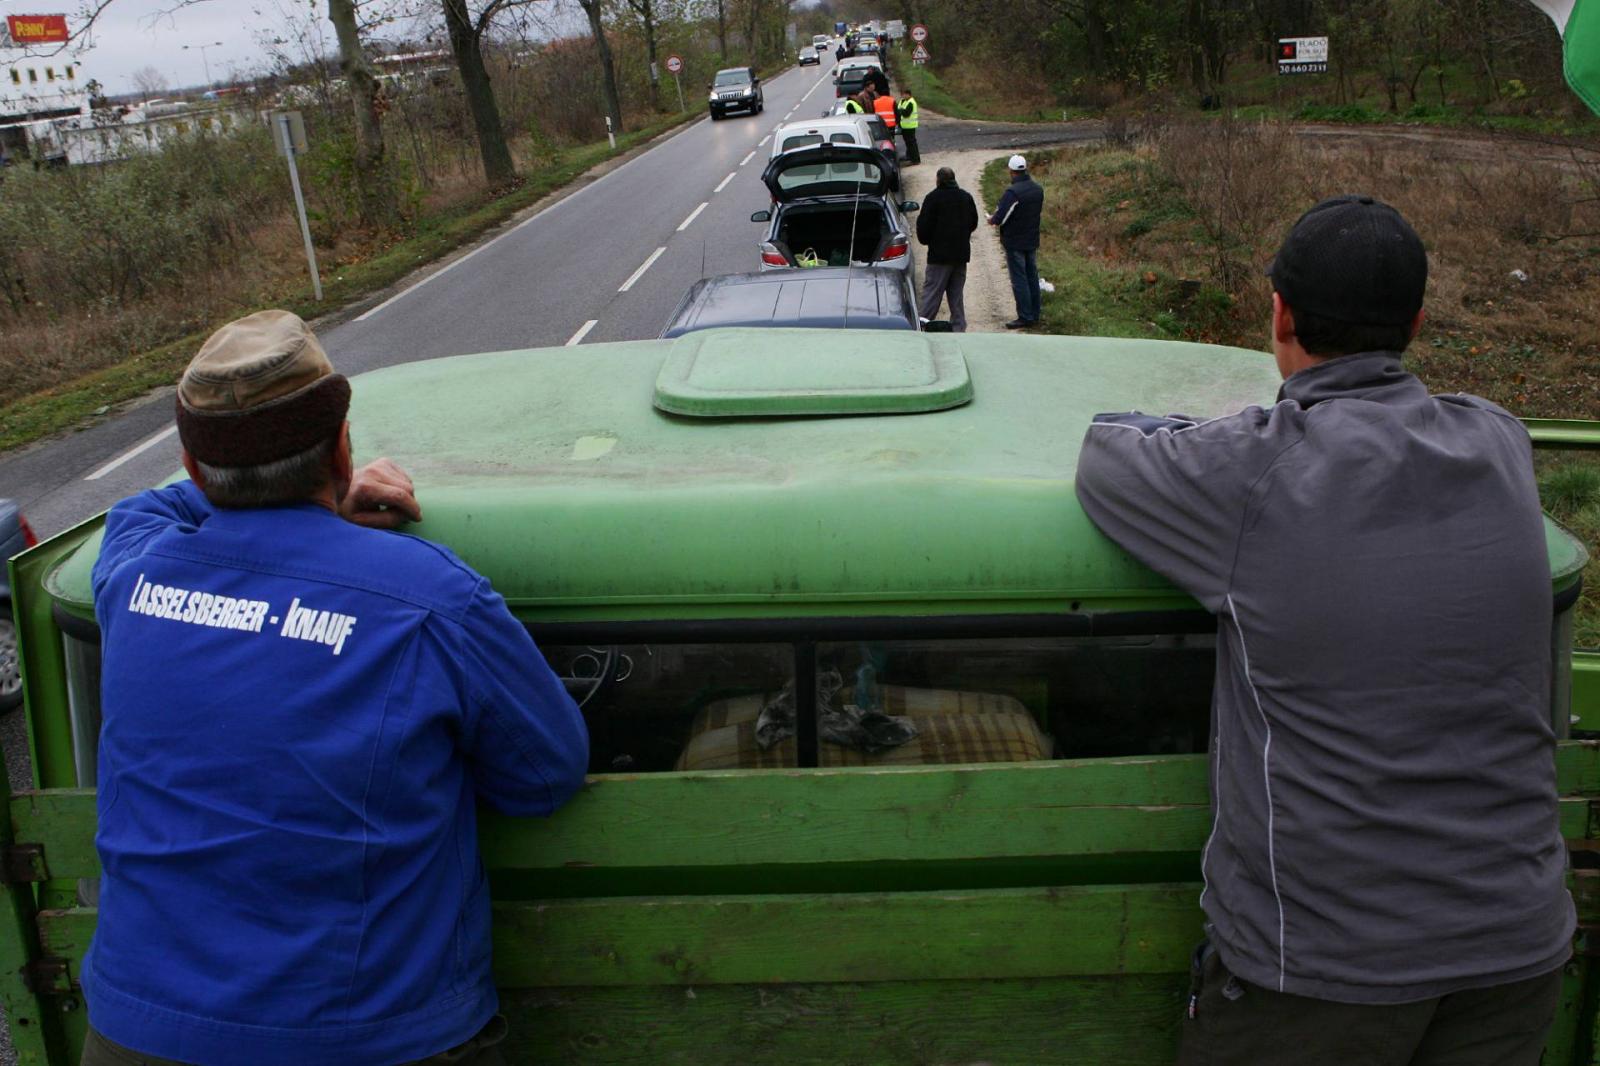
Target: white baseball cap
point(1016, 162)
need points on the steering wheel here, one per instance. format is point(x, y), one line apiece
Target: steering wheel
point(593, 672)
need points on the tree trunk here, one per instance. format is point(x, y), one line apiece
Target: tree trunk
point(608, 68)
point(722, 31)
point(467, 44)
point(647, 9)
point(375, 195)
point(752, 19)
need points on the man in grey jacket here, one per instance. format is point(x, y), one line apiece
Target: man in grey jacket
point(1385, 874)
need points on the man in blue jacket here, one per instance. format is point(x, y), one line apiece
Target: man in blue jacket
point(1018, 215)
point(301, 713)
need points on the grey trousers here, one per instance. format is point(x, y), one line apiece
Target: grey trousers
point(945, 281)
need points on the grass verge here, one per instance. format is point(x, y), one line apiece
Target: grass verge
point(69, 404)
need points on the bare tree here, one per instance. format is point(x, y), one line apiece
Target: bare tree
point(608, 66)
point(646, 10)
point(148, 82)
point(375, 193)
point(466, 42)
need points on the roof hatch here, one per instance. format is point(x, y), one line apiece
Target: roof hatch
point(752, 373)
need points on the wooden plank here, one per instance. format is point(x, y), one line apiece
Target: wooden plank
point(687, 940)
point(63, 820)
point(1110, 807)
point(1128, 1021)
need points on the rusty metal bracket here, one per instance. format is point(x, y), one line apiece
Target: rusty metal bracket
point(47, 976)
point(23, 864)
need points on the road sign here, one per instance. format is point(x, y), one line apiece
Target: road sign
point(37, 29)
point(919, 33)
point(674, 64)
point(919, 55)
point(1302, 55)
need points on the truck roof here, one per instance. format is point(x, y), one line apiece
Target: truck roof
point(823, 297)
point(554, 473)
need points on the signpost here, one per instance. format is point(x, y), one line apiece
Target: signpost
point(37, 29)
point(919, 55)
point(675, 68)
point(1302, 55)
point(919, 33)
point(289, 136)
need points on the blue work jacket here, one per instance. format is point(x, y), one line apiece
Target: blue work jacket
point(299, 717)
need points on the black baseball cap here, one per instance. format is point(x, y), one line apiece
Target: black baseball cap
point(1353, 259)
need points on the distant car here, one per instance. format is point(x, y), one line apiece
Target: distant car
point(821, 40)
point(822, 298)
point(736, 89)
point(809, 57)
point(850, 81)
point(14, 537)
point(833, 205)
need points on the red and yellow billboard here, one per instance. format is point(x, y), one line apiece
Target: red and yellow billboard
point(37, 29)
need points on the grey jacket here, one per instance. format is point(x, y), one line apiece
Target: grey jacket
point(1382, 764)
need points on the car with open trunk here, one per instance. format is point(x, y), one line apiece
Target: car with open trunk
point(835, 203)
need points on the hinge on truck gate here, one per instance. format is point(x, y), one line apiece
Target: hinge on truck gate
point(22, 863)
point(47, 975)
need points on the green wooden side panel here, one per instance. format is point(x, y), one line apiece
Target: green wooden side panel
point(1127, 1021)
point(1586, 689)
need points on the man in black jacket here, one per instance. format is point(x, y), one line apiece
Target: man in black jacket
point(1018, 215)
point(945, 225)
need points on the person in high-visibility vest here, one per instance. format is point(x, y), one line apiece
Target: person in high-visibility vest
point(854, 106)
point(884, 107)
point(908, 127)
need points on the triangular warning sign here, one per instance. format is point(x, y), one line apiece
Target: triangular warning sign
point(919, 54)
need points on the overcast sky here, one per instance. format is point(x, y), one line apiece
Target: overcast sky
point(238, 35)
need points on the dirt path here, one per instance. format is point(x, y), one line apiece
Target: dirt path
point(988, 292)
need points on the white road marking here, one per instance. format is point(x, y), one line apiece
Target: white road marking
point(637, 274)
point(763, 142)
point(813, 89)
point(693, 215)
point(747, 159)
point(532, 218)
point(792, 110)
point(583, 331)
point(136, 450)
point(724, 182)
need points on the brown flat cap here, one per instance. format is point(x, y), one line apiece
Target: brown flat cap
point(260, 389)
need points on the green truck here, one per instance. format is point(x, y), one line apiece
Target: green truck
point(710, 537)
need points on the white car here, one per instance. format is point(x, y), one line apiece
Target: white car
point(836, 129)
point(851, 62)
point(821, 41)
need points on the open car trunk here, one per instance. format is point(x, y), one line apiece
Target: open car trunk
point(839, 234)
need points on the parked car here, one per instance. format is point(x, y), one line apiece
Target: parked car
point(856, 61)
point(736, 89)
point(840, 128)
point(849, 81)
point(834, 202)
point(810, 57)
point(823, 298)
point(15, 535)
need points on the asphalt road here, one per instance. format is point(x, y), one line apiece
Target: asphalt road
point(608, 262)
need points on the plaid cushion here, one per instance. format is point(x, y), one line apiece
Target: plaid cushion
point(952, 727)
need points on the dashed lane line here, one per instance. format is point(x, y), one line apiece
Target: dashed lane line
point(692, 216)
point(133, 452)
point(747, 158)
point(762, 143)
point(637, 274)
point(583, 331)
point(813, 89)
point(724, 183)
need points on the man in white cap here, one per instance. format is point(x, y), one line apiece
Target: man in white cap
point(301, 714)
point(1018, 218)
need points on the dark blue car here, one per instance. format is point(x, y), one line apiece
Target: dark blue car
point(815, 298)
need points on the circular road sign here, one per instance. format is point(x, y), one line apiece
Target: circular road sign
point(919, 33)
point(674, 64)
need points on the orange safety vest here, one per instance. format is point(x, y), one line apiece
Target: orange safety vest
point(884, 106)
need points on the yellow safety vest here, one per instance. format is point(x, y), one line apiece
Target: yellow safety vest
point(853, 107)
point(908, 114)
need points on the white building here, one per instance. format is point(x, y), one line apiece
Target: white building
point(35, 91)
